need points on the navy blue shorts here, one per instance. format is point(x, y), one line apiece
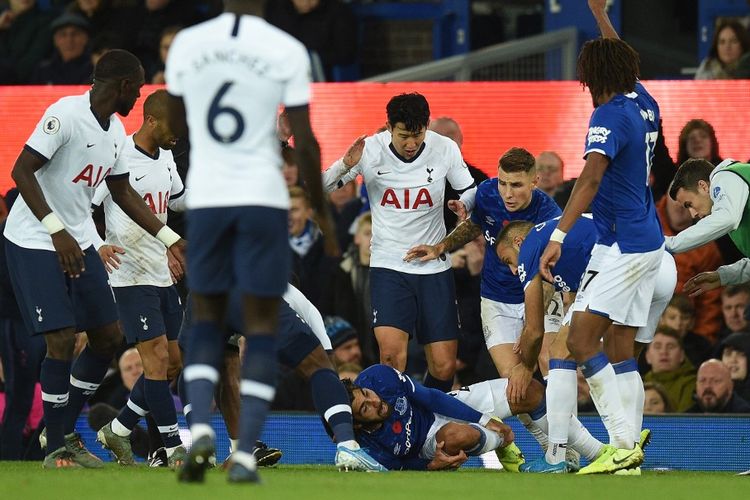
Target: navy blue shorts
point(238, 248)
point(147, 312)
point(50, 300)
point(424, 304)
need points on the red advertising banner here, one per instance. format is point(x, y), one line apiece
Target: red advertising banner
point(494, 116)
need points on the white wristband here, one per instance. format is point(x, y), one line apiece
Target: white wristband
point(167, 236)
point(53, 223)
point(558, 235)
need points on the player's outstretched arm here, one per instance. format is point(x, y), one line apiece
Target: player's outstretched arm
point(68, 251)
point(308, 158)
point(132, 204)
point(599, 9)
point(461, 235)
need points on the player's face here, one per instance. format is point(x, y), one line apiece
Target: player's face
point(516, 188)
point(508, 256)
point(697, 202)
point(728, 48)
point(406, 142)
point(653, 404)
point(675, 319)
point(162, 134)
point(130, 91)
point(299, 214)
point(664, 354)
point(736, 361)
point(368, 408)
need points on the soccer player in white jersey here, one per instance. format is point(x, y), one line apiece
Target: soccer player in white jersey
point(620, 278)
point(147, 300)
point(58, 278)
point(227, 77)
point(404, 169)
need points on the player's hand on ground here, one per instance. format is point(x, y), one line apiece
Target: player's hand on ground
point(496, 425)
point(701, 283)
point(178, 250)
point(175, 268)
point(354, 153)
point(444, 461)
point(108, 254)
point(423, 252)
point(518, 383)
point(548, 260)
point(458, 208)
point(69, 253)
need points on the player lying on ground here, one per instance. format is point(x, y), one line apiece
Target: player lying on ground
point(519, 245)
point(405, 425)
point(300, 346)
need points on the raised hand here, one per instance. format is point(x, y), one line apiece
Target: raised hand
point(354, 153)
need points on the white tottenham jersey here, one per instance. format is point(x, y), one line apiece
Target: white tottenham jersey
point(80, 154)
point(406, 198)
point(233, 72)
point(156, 180)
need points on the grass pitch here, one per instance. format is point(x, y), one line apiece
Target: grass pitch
point(27, 481)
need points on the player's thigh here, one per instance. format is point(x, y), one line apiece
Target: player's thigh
point(392, 344)
point(261, 253)
point(40, 288)
point(487, 397)
point(441, 358)
point(437, 319)
point(393, 297)
point(140, 311)
point(504, 358)
point(210, 232)
point(501, 323)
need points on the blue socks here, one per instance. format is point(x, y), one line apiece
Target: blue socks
point(54, 380)
point(332, 403)
point(88, 372)
point(201, 372)
point(257, 387)
point(161, 406)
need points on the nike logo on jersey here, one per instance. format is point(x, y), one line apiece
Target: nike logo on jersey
point(141, 177)
point(383, 173)
point(90, 145)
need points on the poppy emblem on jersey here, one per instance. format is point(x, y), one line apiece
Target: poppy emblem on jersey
point(400, 405)
point(397, 427)
point(51, 125)
point(717, 190)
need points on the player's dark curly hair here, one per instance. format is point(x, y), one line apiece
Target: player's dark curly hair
point(517, 160)
point(350, 387)
point(608, 65)
point(410, 109)
point(688, 175)
point(117, 64)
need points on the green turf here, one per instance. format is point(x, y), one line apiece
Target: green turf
point(27, 481)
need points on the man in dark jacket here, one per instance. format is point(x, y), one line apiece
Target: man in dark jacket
point(714, 391)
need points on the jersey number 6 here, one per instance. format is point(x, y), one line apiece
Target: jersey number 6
point(216, 110)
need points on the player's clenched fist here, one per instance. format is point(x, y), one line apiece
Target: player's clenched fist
point(354, 153)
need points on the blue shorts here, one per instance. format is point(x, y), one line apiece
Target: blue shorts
point(238, 248)
point(50, 300)
point(424, 304)
point(148, 312)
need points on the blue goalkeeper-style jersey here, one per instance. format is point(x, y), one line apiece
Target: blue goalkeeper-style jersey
point(625, 130)
point(576, 252)
point(498, 283)
point(396, 444)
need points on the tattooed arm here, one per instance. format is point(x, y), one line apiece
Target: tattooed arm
point(464, 233)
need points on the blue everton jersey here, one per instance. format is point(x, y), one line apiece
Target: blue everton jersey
point(498, 283)
point(625, 130)
point(403, 433)
point(576, 252)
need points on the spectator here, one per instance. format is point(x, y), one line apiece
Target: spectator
point(103, 43)
point(680, 316)
point(698, 140)
point(327, 28)
point(345, 208)
point(707, 306)
point(656, 399)
point(70, 64)
point(104, 19)
point(290, 171)
point(343, 340)
point(670, 368)
point(449, 127)
point(24, 40)
point(165, 42)
point(549, 168)
point(713, 391)
point(734, 352)
point(310, 264)
point(349, 297)
point(729, 44)
point(734, 301)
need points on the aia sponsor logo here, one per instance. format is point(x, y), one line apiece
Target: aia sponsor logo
point(406, 199)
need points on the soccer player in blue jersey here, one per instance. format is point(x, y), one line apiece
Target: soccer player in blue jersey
point(405, 425)
point(511, 196)
point(621, 275)
point(520, 245)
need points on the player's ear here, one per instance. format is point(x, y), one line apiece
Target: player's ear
point(703, 187)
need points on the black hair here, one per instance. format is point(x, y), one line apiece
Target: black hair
point(410, 109)
point(117, 64)
point(688, 176)
point(512, 229)
point(517, 160)
point(608, 65)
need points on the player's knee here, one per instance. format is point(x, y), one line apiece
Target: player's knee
point(107, 341)
point(392, 358)
point(60, 345)
point(534, 395)
point(457, 437)
point(443, 369)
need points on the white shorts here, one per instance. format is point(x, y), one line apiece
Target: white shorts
point(554, 315)
point(619, 285)
point(486, 397)
point(501, 323)
point(666, 281)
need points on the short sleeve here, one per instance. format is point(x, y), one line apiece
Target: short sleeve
point(528, 261)
point(604, 134)
point(178, 187)
point(51, 132)
point(297, 88)
point(121, 165)
point(172, 70)
point(458, 176)
point(101, 193)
